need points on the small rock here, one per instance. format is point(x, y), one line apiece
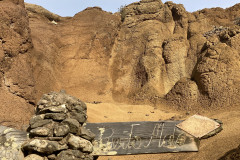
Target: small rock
point(52, 157)
point(86, 134)
point(79, 143)
point(80, 117)
point(81, 107)
point(73, 124)
point(36, 118)
point(61, 130)
point(40, 131)
point(48, 96)
point(172, 118)
point(43, 146)
point(64, 141)
point(60, 97)
point(54, 138)
point(96, 102)
point(55, 116)
point(54, 109)
point(70, 155)
point(41, 123)
point(75, 104)
point(43, 101)
point(34, 157)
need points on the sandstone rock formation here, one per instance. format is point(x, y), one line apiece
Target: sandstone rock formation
point(42, 11)
point(74, 54)
point(160, 44)
point(16, 78)
point(150, 52)
point(217, 72)
point(56, 130)
point(141, 57)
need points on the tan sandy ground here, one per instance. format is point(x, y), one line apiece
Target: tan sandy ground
point(210, 149)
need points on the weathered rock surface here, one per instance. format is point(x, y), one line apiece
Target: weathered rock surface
point(61, 130)
point(73, 125)
point(42, 11)
point(73, 155)
point(43, 146)
point(55, 116)
point(185, 93)
point(10, 143)
point(16, 76)
point(41, 123)
point(87, 38)
point(41, 131)
point(158, 45)
point(86, 134)
point(217, 73)
point(155, 50)
point(34, 157)
point(80, 143)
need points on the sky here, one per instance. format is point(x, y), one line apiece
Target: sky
point(71, 7)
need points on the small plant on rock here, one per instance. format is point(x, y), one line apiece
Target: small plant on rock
point(122, 12)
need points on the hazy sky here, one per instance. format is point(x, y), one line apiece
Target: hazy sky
point(71, 7)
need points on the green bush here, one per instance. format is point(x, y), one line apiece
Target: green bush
point(122, 11)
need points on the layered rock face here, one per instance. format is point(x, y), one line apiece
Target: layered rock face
point(56, 130)
point(16, 77)
point(162, 51)
point(151, 51)
point(74, 53)
point(217, 73)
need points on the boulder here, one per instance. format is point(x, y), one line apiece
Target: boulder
point(73, 124)
point(41, 123)
point(55, 116)
point(43, 146)
point(70, 155)
point(76, 142)
point(61, 130)
point(40, 131)
point(86, 134)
